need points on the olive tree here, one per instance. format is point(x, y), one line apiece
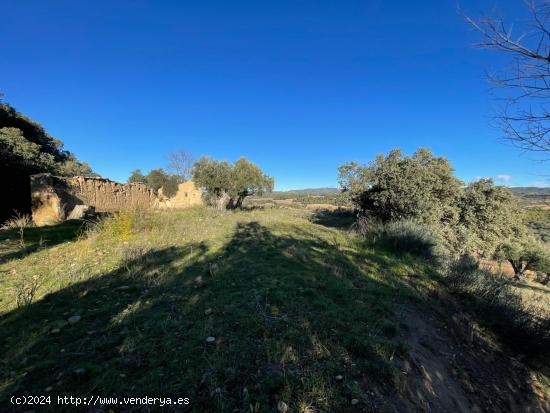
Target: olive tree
point(523, 254)
point(235, 181)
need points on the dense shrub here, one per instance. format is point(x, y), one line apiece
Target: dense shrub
point(473, 219)
point(406, 237)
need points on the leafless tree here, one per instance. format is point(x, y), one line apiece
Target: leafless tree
point(525, 115)
point(181, 162)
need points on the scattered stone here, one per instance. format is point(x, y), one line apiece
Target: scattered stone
point(48, 389)
point(122, 375)
point(282, 407)
point(339, 377)
point(124, 287)
point(354, 402)
point(74, 319)
point(55, 331)
point(80, 371)
point(199, 280)
point(208, 311)
point(210, 339)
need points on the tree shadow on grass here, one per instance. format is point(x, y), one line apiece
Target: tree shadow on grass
point(341, 219)
point(288, 316)
point(36, 238)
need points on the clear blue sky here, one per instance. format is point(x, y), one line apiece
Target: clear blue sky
point(299, 87)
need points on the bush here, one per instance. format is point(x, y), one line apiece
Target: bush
point(498, 305)
point(407, 237)
point(123, 225)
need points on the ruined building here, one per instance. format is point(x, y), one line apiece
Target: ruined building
point(56, 198)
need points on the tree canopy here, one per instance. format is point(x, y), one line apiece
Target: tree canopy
point(156, 179)
point(26, 149)
point(237, 181)
point(474, 219)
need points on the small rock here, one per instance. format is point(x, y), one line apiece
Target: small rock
point(122, 375)
point(339, 377)
point(354, 402)
point(282, 407)
point(48, 389)
point(80, 371)
point(210, 339)
point(208, 311)
point(74, 319)
point(55, 331)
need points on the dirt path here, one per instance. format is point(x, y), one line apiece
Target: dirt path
point(454, 366)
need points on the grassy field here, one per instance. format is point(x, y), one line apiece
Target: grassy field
point(248, 311)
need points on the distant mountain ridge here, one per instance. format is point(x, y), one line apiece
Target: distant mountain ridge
point(529, 190)
point(309, 191)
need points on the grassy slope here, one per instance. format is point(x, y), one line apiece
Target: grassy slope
point(294, 304)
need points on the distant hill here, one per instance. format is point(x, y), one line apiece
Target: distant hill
point(532, 196)
point(530, 190)
point(309, 191)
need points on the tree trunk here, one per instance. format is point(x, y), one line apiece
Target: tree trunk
point(239, 203)
point(519, 268)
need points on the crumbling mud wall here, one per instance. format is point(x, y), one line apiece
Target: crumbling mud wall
point(188, 195)
point(53, 198)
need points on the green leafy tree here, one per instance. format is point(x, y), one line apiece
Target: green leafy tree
point(136, 176)
point(525, 253)
point(26, 149)
point(236, 181)
point(158, 178)
point(395, 187)
point(474, 219)
point(489, 214)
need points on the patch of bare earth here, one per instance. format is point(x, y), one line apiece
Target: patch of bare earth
point(453, 365)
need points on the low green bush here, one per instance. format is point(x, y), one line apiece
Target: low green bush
point(406, 237)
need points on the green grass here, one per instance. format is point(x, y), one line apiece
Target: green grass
point(36, 238)
point(292, 304)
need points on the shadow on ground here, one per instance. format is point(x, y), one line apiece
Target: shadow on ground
point(292, 318)
point(341, 219)
point(36, 238)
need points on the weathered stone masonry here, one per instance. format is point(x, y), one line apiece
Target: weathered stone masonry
point(54, 198)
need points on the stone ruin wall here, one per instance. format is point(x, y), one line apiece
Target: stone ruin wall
point(108, 196)
point(55, 198)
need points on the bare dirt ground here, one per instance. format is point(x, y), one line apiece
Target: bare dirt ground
point(453, 365)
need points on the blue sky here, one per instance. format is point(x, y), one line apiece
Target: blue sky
point(299, 87)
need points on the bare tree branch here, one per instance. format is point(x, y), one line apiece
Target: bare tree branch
point(181, 163)
point(525, 118)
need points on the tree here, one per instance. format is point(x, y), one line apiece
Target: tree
point(489, 214)
point(181, 162)
point(237, 181)
point(524, 253)
point(136, 176)
point(525, 117)
point(158, 178)
point(473, 219)
point(26, 149)
point(395, 187)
